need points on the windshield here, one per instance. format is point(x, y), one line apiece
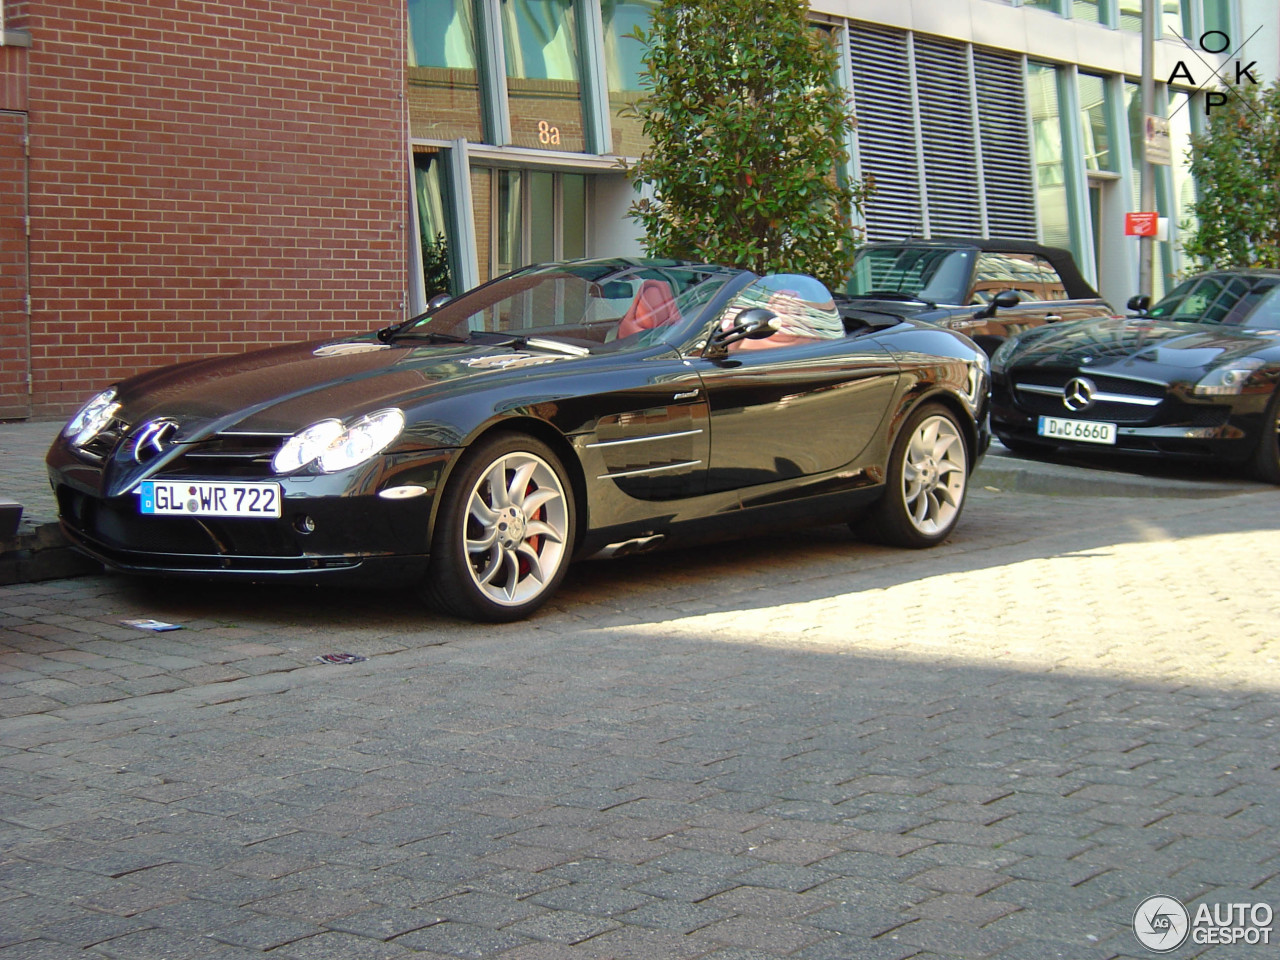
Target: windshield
point(936, 274)
point(597, 305)
point(1231, 300)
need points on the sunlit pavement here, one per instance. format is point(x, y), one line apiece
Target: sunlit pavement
point(801, 746)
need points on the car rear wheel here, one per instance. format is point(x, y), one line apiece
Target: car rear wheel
point(926, 481)
point(1266, 459)
point(504, 532)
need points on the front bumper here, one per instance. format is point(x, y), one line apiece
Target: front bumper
point(1230, 439)
point(331, 526)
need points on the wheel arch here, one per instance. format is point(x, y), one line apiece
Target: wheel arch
point(539, 430)
point(955, 405)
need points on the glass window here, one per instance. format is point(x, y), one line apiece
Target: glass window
point(433, 231)
point(1046, 132)
point(443, 84)
point(573, 206)
point(1173, 20)
point(804, 307)
point(624, 62)
point(510, 222)
point(936, 274)
point(1085, 10)
point(542, 217)
point(541, 41)
point(1184, 185)
point(1267, 313)
point(997, 272)
point(1054, 288)
point(1217, 15)
point(1050, 5)
point(1096, 130)
point(594, 306)
point(531, 216)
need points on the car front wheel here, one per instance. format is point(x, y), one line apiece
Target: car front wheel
point(1266, 459)
point(925, 483)
point(504, 532)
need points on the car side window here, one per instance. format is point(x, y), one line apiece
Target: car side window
point(1053, 288)
point(804, 307)
point(1018, 272)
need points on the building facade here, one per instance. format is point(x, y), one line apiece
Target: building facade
point(183, 178)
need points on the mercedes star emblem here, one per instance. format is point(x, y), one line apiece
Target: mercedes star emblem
point(151, 438)
point(1078, 394)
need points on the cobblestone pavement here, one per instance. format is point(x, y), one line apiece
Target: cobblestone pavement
point(800, 746)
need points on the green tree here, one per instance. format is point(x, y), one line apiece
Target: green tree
point(747, 127)
point(1236, 165)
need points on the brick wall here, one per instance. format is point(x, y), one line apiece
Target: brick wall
point(14, 392)
point(207, 177)
point(15, 395)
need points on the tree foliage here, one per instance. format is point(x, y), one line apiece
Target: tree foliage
point(747, 127)
point(1236, 165)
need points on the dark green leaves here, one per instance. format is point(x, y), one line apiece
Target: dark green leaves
point(748, 131)
point(1236, 165)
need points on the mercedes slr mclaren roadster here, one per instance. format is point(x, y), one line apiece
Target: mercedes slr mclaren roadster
point(592, 408)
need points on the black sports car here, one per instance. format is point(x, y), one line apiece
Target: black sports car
point(990, 289)
point(565, 410)
point(1195, 376)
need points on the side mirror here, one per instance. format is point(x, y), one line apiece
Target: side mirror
point(1139, 304)
point(437, 301)
point(754, 324)
point(1004, 300)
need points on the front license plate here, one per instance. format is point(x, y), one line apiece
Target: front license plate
point(209, 498)
point(1084, 431)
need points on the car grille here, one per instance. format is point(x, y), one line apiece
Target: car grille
point(232, 454)
point(1132, 403)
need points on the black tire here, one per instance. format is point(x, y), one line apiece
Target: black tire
point(1266, 457)
point(489, 561)
point(925, 484)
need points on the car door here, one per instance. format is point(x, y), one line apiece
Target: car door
point(1043, 293)
point(802, 402)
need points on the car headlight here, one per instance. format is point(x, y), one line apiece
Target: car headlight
point(1228, 379)
point(1002, 355)
point(90, 419)
point(336, 446)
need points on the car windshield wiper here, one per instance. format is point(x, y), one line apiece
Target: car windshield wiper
point(538, 343)
point(431, 336)
point(891, 295)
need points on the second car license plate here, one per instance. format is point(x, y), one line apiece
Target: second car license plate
point(1085, 431)
point(207, 498)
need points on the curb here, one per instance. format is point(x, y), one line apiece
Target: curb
point(41, 552)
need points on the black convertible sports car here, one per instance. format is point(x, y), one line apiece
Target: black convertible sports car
point(565, 410)
point(1196, 376)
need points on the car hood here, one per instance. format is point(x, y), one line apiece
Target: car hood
point(283, 389)
point(1141, 346)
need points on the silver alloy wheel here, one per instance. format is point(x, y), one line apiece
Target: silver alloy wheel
point(516, 528)
point(934, 475)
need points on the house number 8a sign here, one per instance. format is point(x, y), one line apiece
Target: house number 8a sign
point(548, 135)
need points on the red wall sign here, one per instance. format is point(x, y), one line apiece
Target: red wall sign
point(1140, 224)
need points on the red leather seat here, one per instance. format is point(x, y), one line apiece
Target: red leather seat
point(654, 306)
